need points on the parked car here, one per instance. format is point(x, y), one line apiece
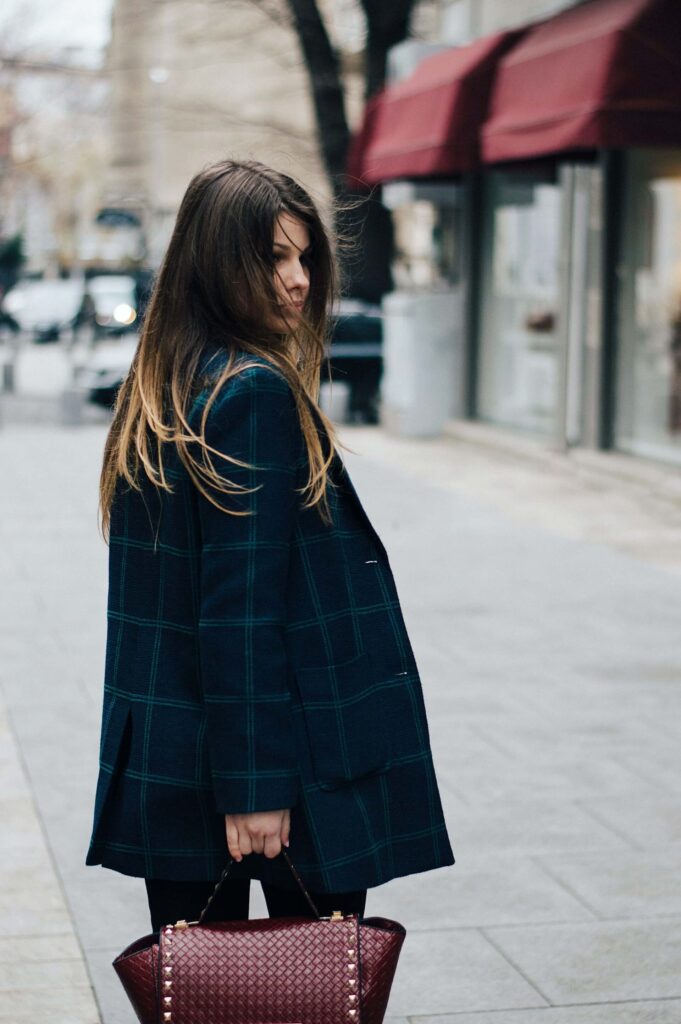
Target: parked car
point(355, 353)
point(113, 303)
point(106, 367)
point(356, 356)
point(45, 309)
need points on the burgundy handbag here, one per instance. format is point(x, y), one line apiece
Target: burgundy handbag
point(280, 970)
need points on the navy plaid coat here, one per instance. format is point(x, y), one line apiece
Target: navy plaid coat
point(256, 663)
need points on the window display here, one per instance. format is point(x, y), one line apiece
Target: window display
point(517, 380)
point(648, 420)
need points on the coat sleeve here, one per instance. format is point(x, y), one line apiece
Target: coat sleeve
point(244, 565)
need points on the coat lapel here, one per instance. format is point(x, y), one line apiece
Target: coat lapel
point(341, 474)
point(338, 468)
point(350, 490)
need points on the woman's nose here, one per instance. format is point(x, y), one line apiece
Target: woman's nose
point(298, 278)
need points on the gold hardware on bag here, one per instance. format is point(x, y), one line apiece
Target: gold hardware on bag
point(181, 925)
point(336, 915)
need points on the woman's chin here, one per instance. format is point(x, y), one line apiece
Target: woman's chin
point(286, 323)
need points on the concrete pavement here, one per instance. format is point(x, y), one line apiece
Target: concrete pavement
point(42, 973)
point(546, 631)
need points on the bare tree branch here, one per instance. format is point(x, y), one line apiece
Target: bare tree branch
point(275, 10)
point(387, 23)
point(326, 83)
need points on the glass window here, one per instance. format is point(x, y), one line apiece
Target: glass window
point(648, 420)
point(427, 245)
point(518, 366)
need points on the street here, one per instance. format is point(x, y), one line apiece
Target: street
point(546, 633)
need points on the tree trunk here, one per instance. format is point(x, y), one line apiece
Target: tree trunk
point(388, 23)
point(367, 276)
point(326, 84)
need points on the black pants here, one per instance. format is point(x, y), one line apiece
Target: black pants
point(171, 901)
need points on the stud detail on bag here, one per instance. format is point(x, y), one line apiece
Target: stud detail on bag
point(168, 974)
point(352, 997)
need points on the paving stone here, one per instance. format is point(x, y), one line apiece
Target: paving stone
point(662, 1012)
point(658, 762)
point(561, 775)
point(24, 849)
point(15, 949)
point(258, 907)
point(73, 1005)
point(643, 822)
point(113, 1002)
point(607, 729)
point(551, 491)
point(632, 884)
point(13, 785)
point(597, 962)
point(20, 920)
point(525, 827)
point(44, 974)
point(507, 891)
point(22, 888)
point(455, 971)
point(111, 909)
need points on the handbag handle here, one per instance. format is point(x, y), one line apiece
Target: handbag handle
point(225, 873)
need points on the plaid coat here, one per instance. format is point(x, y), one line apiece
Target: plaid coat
point(256, 663)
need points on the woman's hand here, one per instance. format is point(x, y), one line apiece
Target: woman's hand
point(261, 832)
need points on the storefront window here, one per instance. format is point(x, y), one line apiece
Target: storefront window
point(427, 222)
point(648, 420)
point(518, 367)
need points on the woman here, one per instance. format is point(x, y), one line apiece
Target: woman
point(260, 688)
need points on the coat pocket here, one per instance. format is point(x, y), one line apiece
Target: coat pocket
point(347, 732)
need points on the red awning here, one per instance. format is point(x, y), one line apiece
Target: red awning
point(604, 74)
point(361, 139)
point(427, 125)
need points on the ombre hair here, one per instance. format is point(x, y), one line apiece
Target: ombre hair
point(216, 283)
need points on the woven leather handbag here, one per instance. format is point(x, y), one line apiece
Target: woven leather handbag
point(281, 970)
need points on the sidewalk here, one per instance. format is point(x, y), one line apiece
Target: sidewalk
point(548, 640)
point(42, 973)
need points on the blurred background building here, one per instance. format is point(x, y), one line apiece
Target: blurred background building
point(194, 82)
point(527, 277)
point(533, 165)
point(52, 157)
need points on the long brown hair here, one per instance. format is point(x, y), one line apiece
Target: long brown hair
point(216, 284)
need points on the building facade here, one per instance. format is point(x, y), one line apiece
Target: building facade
point(548, 287)
point(52, 156)
point(191, 84)
point(195, 83)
